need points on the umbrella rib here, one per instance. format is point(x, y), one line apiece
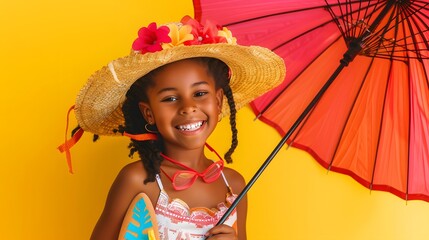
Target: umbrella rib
point(409, 92)
point(380, 129)
point(349, 13)
point(391, 18)
point(359, 13)
point(409, 117)
point(286, 12)
point(272, 15)
point(342, 16)
point(409, 137)
point(350, 112)
point(300, 35)
point(301, 125)
point(335, 19)
point(379, 132)
point(310, 30)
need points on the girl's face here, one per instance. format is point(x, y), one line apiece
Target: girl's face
point(184, 104)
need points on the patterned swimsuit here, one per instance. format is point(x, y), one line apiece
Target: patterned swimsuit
point(177, 221)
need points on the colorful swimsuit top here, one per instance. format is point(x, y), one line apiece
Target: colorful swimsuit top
point(177, 221)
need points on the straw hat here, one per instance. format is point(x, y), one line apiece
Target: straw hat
point(254, 70)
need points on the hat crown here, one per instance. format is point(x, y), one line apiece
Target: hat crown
point(186, 32)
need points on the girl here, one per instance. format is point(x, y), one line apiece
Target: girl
point(167, 96)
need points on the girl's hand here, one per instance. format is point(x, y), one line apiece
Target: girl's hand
point(222, 232)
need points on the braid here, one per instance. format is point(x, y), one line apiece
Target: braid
point(233, 111)
point(220, 72)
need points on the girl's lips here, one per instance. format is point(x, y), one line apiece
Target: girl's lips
point(191, 126)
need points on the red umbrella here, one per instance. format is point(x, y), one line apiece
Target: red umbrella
point(356, 95)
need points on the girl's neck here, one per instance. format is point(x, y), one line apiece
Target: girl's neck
point(193, 158)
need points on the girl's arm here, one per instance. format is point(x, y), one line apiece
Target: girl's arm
point(126, 186)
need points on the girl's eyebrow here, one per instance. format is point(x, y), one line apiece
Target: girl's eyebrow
point(165, 90)
point(197, 84)
point(174, 89)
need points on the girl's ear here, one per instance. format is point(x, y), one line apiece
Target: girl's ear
point(146, 112)
point(219, 97)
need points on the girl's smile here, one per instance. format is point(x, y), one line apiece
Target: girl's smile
point(191, 126)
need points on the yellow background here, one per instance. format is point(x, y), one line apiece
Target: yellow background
point(48, 49)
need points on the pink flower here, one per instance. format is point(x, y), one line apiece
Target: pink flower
point(151, 38)
point(203, 34)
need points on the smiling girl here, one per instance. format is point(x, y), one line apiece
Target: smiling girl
point(167, 96)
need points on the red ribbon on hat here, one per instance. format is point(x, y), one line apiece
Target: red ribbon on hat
point(69, 143)
point(65, 147)
point(141, 137)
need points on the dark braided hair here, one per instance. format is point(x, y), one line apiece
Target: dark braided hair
point(228, 93)
point(149, 151)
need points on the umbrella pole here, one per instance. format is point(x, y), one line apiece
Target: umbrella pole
point(353, 49)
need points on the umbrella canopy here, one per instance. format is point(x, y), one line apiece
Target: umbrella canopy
point(356, 94)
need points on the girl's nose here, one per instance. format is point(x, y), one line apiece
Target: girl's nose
point(188, 107)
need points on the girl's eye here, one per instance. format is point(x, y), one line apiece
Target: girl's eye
point(169, 99)
point(200, 94)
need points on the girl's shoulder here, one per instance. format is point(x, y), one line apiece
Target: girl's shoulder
point(133, 173)
point(132, 177)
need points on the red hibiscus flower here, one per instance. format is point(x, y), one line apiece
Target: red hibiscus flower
point(202, 34)
point(150, 38)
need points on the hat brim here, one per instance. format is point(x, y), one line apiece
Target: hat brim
point(255, 70)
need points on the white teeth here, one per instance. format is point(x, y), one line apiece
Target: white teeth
point(190, 127)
